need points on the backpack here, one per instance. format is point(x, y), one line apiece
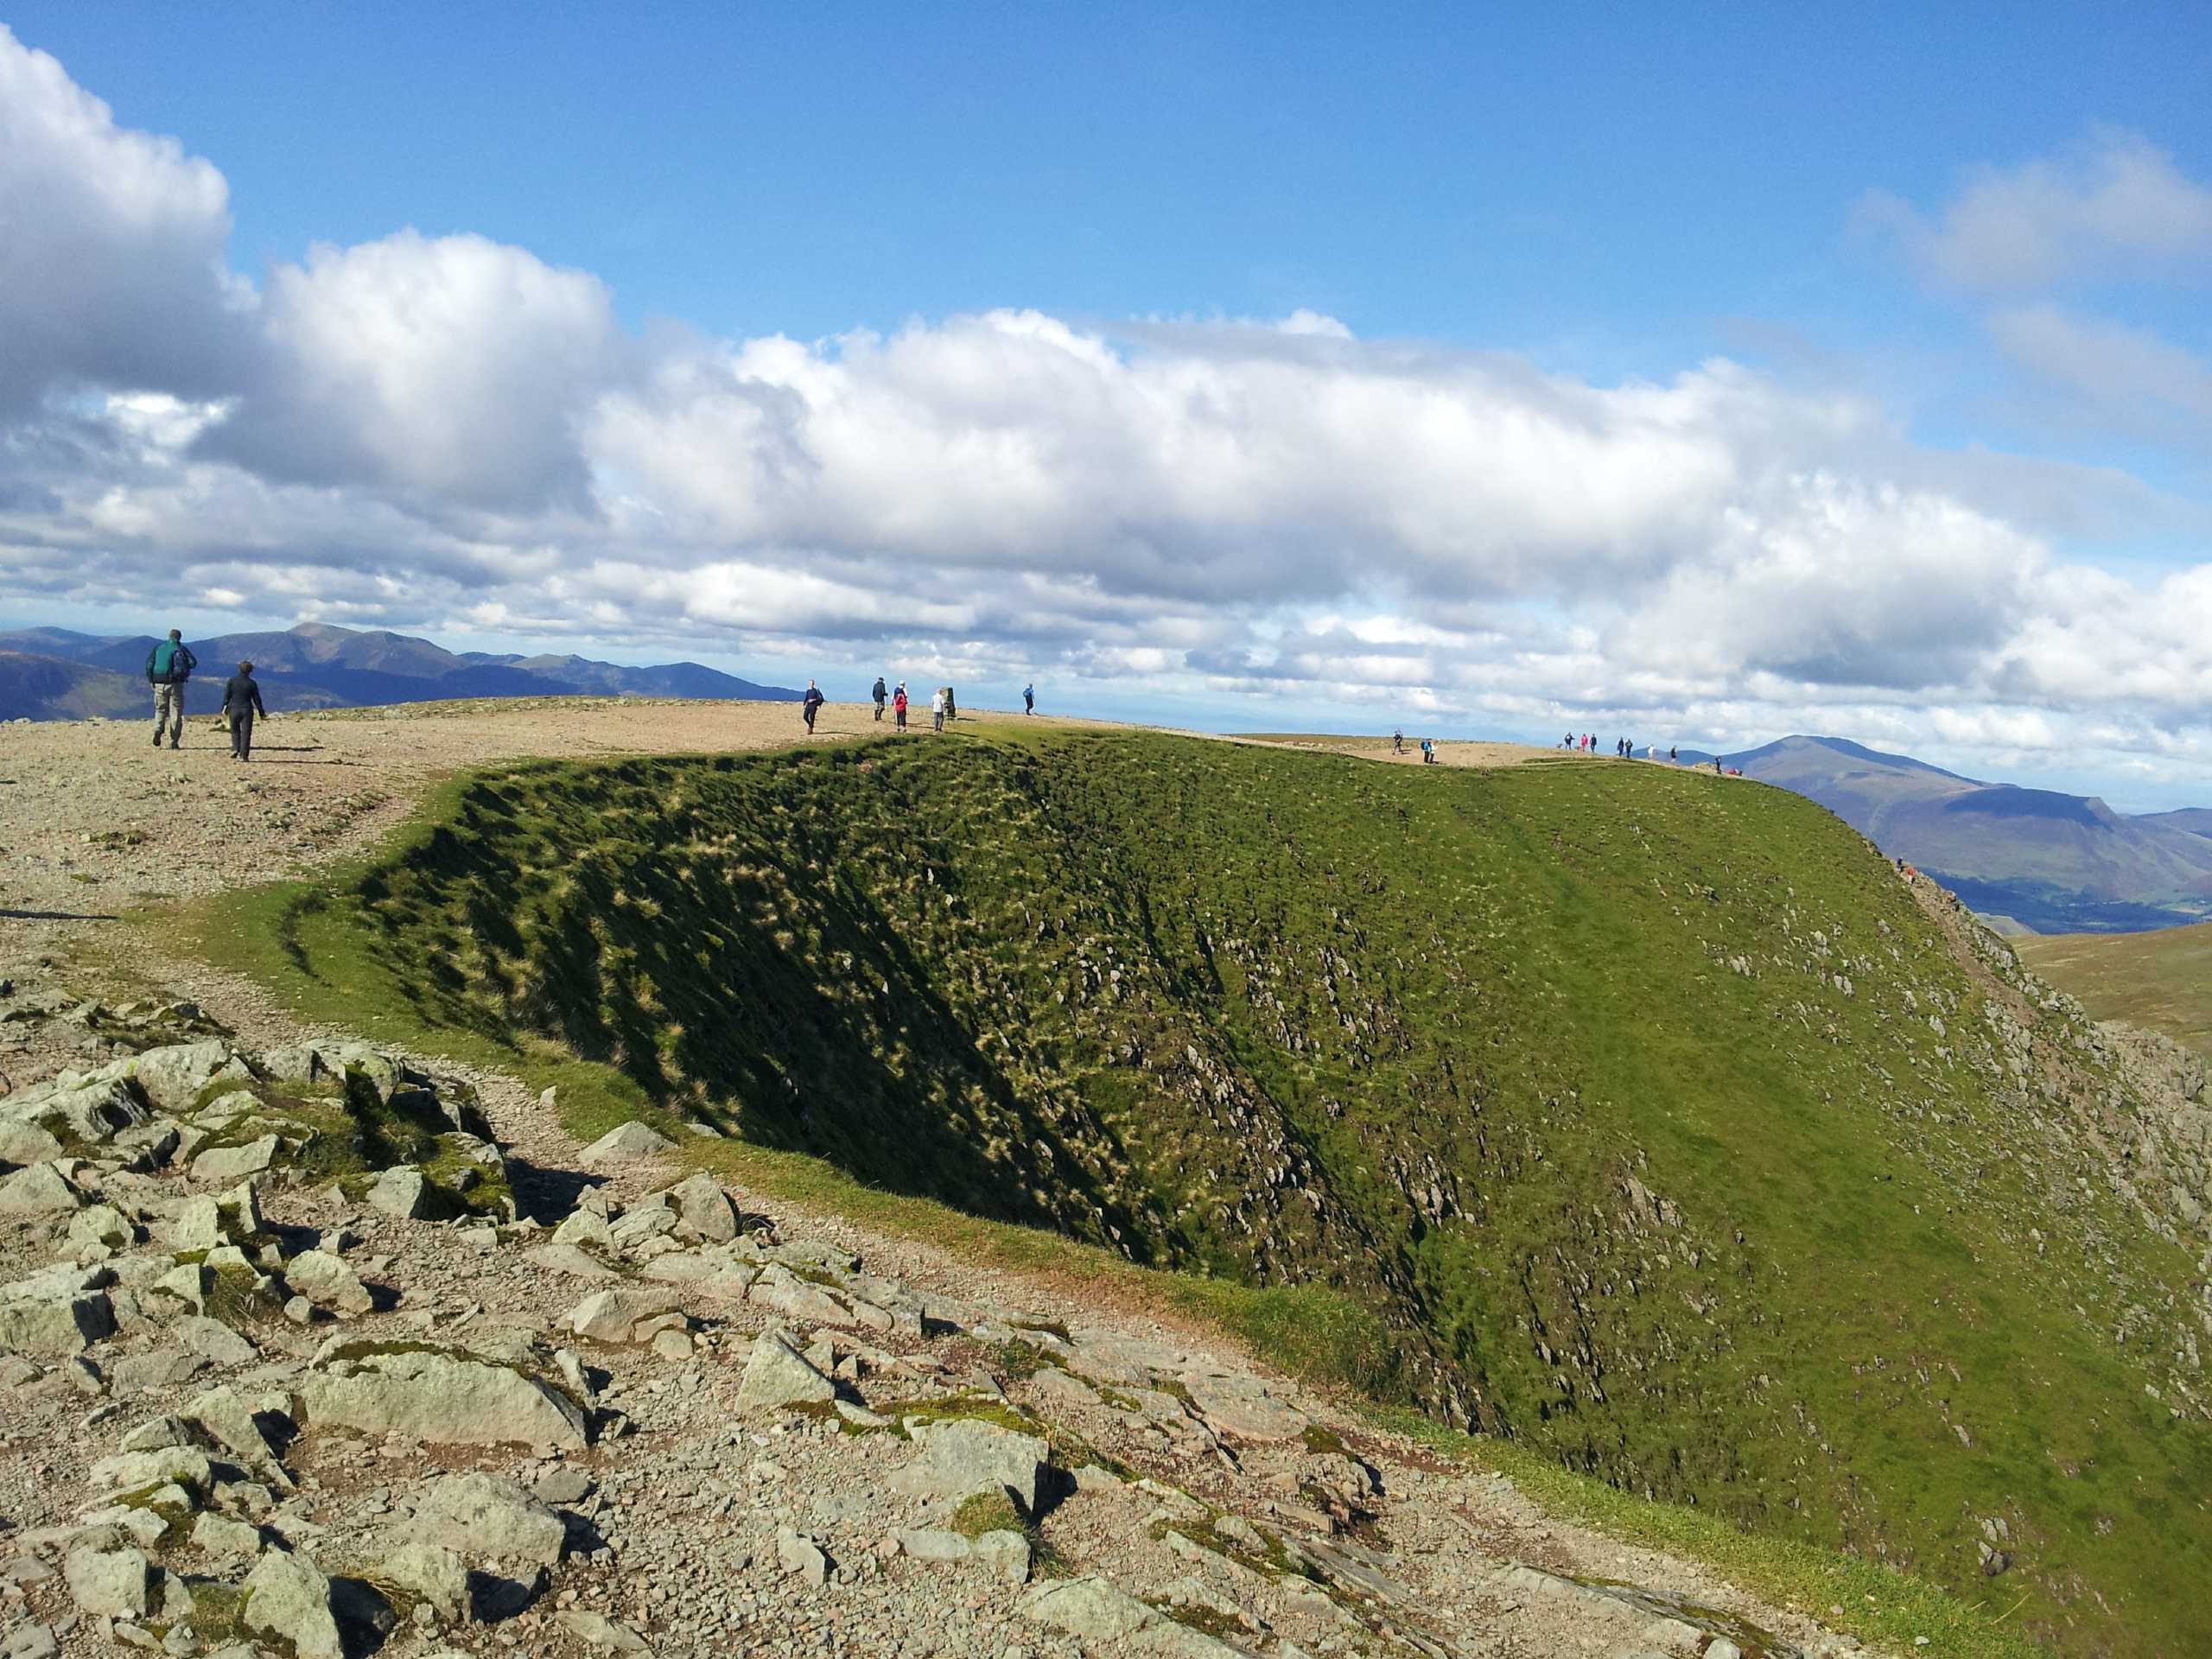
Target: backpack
point(170, 663)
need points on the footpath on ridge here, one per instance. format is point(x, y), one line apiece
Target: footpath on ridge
point(310, 1347)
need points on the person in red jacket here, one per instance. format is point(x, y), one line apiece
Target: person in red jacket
point(899, 704)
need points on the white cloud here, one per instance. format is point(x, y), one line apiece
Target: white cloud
point(451, 368)
point(112, 246)
point(447, 434)
point(2117, 206)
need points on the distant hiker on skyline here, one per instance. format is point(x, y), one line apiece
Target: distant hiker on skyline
point(880, 693)
point(809, 703)
point(1427, 753)
point(899, 705)
point(1568, 742)
point(1397, 742)
point(939, 701)
point(169, 665)
point(241, 702)
point(1674, 757)
point(1028, 699)
point(1716, 766)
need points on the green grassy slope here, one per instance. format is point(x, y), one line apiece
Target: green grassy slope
point(1647, 1109)
point(2161, 981)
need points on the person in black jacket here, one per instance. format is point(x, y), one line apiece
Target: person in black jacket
point(808, 705)
point(169, 665)
point(241, 702)
point(881, 695)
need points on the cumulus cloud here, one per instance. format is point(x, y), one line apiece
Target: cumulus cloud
point(2115, 207)
point(447, 434)
point(451, 368)
point(112, 246)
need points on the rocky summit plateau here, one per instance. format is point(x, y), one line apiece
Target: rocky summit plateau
point(481, 1402)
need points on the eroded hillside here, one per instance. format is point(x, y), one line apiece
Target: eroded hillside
point(1652, 1114)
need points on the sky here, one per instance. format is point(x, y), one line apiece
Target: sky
point(1697, 376)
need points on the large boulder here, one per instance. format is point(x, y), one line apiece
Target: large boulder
point(485, 1516)
point(403, 1193)
point(327, 1282)
point(624, 1143)
point(27, 1143)
point(613, 1315)
point(110, 1582)
point(778, 1375)
point(436, 1574)
point(967, 1456)
point(57, 1326)
point(448, 1396)
point(219, 1165)
point(703, 1210)
point(288, 1597)
point(172, 1078)
point(42, 1190)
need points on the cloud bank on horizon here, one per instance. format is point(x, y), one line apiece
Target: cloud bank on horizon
point(448, 434)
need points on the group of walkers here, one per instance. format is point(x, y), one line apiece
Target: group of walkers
point(944, 703)
point(1623, 747)
point(170, 668)
point(1428, 748)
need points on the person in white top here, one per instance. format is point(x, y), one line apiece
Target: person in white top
point(937, 710)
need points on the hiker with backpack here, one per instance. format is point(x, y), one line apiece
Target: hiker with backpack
point(241, 702)
point(808, 705)
point(169, 666)
point(938, 702)
point(879, 695)
point(1029, 699)
point(899, 705)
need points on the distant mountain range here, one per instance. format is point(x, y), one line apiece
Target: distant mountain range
point(55, 674)
point(2049, 862)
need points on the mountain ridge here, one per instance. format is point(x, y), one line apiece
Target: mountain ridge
point(59, 674)
point(2051, 861)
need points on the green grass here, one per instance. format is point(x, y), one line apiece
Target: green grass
point(2161, 981)
point(1535, 1098)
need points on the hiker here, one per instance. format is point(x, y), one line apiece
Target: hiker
point(939, 701)
point(880, 693)
point(1674, 759)
point(1397, 742)
point(899, 705)
point(1427, 753)
point(1716, 766)
point(809, 703)
point(169, 665)
point(1568, 742)
point(1028, 699)
point(241, 702)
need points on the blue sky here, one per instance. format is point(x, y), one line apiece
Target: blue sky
point(1946, 267)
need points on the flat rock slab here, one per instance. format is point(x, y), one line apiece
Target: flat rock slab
point(1243, 1408)
point(446, 1397)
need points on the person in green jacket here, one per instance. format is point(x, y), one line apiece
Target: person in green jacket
point(169, 666)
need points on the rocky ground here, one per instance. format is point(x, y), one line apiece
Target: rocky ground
point(308, 1348)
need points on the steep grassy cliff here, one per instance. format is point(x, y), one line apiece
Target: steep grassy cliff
point(1665, 1127)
